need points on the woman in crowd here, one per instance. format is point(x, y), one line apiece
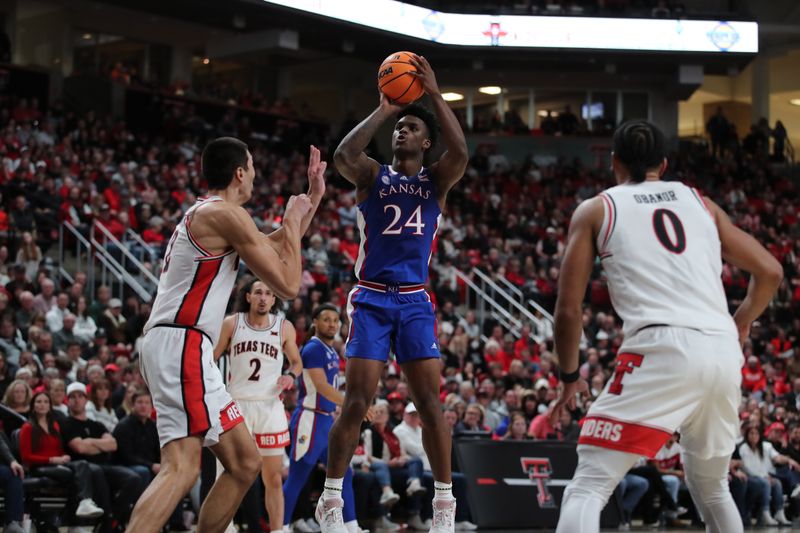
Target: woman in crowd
point(473, 421)
point(29, 254)
point(759, 458)
point(57, 391)
point(99, 407)
point(517, 428)
point(85, 328)
point(42, 451)
point(18, 400)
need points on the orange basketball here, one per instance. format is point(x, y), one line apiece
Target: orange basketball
point(395, 81)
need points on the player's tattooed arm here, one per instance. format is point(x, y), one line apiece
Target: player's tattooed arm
point(453, 162)
point(224, 336)
point(350, 160)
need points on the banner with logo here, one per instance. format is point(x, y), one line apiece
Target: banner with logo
point(519, 484)
point(593, 33)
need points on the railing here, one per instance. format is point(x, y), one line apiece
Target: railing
point(540, 326)
point(96, 259)
point(489, 300)
point(108, 239)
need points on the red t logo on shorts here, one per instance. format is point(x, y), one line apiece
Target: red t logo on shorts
point(626, 363)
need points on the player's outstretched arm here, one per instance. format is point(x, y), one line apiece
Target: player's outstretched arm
point(225, 335)
point(350, 159)
point(451, 166)
point(279, 267)
point(289, 336)
point(316, 190)
point(743, 251)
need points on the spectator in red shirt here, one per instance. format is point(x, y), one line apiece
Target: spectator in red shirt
point(493, 353)
point(753, 378)
point(43, 452)
point(154, 234)
point(111, 222)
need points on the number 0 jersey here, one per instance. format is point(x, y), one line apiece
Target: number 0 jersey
point(398, 222)
point(255, 359)
point(660, 248)
point(195, 286)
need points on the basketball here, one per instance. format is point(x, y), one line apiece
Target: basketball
point(395, 81)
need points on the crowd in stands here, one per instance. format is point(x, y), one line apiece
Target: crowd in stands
point(73, 399)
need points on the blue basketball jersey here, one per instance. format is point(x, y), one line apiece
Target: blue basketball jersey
point(317, 354)
point(398, 222)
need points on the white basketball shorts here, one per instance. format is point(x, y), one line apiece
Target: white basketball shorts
point(670, 379)
point(266, 420)
point(189, 396)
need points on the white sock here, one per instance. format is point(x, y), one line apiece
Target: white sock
point(352, 526)
point(276, 531)
point(443, 490)
point(333, 488)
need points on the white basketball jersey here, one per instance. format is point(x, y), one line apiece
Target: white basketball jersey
point(660, 248)
point(255, 360)
point(195, 286)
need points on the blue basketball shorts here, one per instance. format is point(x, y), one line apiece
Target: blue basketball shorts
point(391, 318)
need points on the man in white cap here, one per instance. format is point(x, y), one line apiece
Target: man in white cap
point(409, 433)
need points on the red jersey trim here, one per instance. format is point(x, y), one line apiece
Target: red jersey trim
point(192, 305)
point(631, 437)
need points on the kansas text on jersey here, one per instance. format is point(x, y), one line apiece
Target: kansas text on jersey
point(398, 222)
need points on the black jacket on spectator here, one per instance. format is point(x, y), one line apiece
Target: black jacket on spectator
point(137, 442)
point(84, 429)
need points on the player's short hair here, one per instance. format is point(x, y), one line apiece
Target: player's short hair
point(639, 144)
point(425, 115)
point(221, 157)
point(324, 307)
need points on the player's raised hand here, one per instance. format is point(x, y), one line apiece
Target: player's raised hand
point(388, 105)
point(316, 175)
point(425, 74)
point(296, 208)
point(567, 399)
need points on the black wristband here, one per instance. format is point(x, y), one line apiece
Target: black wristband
point(290, 373)
point(570, 377)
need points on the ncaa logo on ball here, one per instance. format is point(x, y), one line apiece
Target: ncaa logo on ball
point(385, 72)
point(723, 36)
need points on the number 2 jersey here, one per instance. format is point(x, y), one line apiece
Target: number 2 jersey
point(255, 359)
point(661, 251)
point(398, 222)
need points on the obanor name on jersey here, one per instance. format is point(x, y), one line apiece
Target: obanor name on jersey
point(668, 196)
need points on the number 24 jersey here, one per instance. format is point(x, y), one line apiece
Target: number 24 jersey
point(398, 222)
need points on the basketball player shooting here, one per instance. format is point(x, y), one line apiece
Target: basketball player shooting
point(257, 341)
point(399, 207)
point(679, 367)
point(200, 266)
